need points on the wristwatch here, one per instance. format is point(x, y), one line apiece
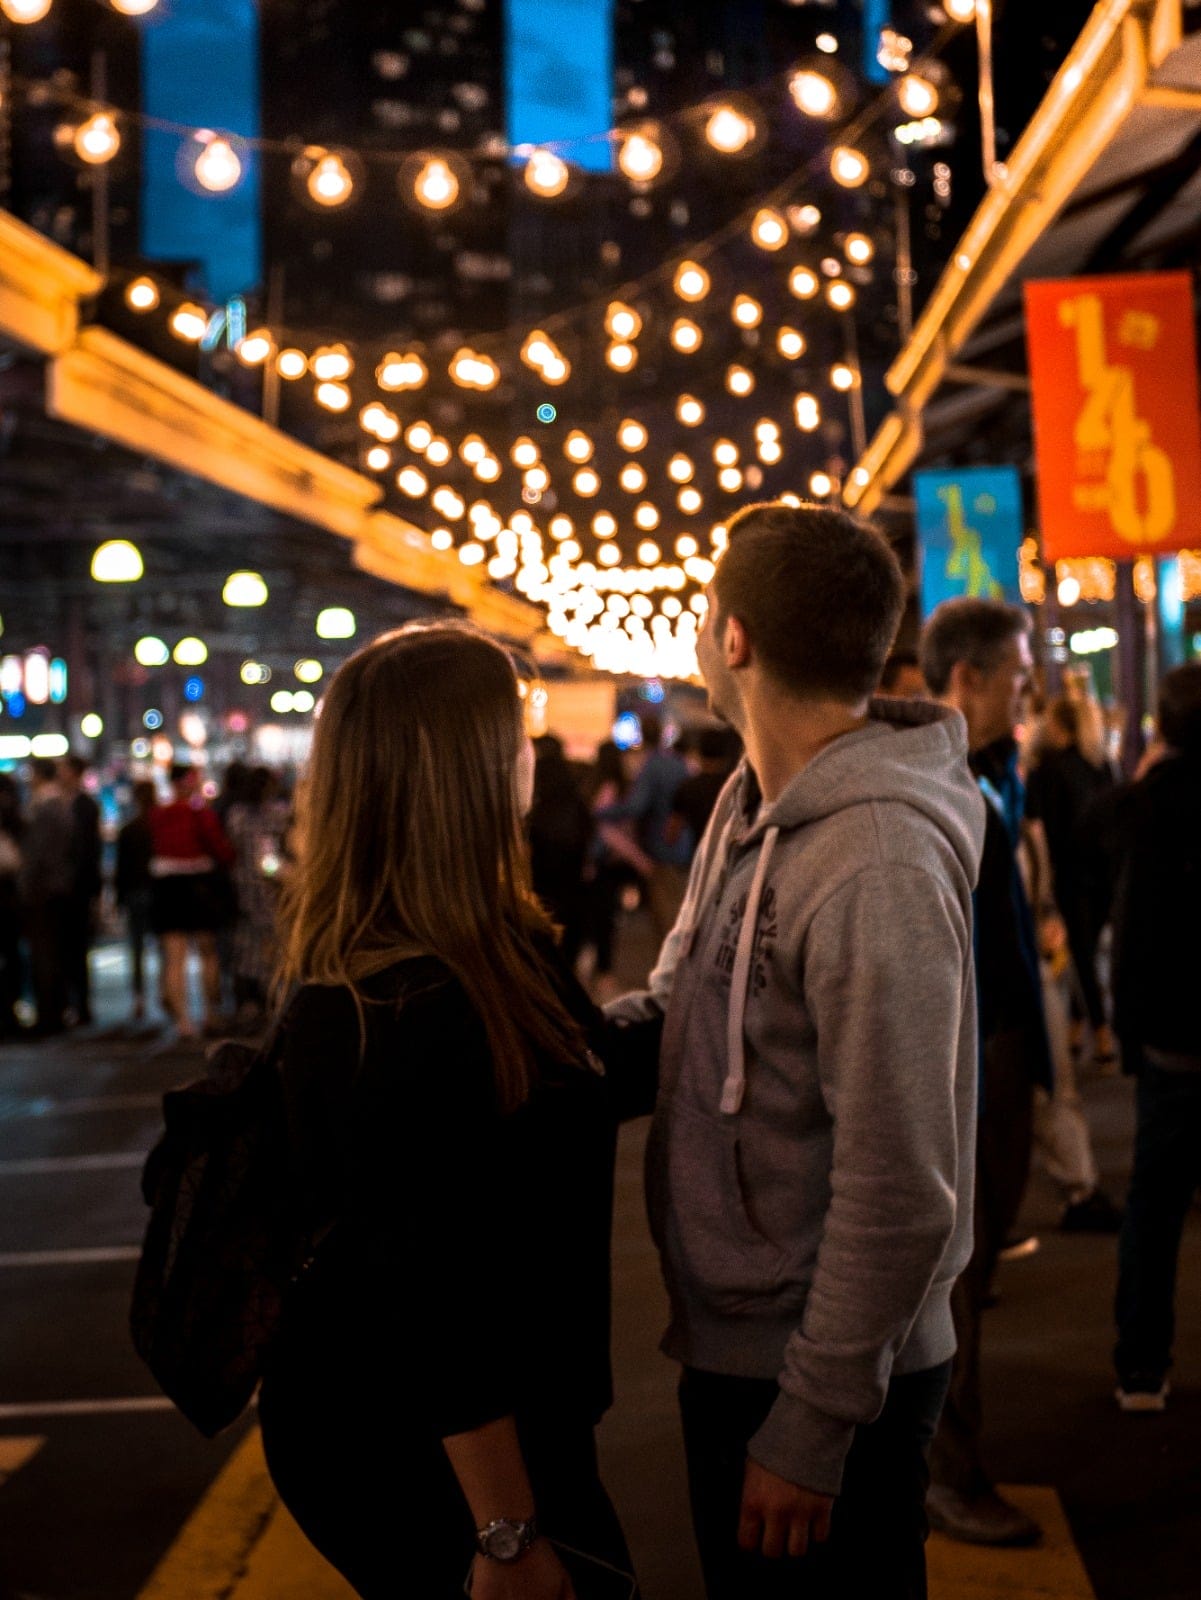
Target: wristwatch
point(506, 1541)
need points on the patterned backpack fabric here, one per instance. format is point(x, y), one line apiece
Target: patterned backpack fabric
point(223, 1247)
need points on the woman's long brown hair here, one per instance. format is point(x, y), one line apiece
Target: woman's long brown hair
point(410, 841)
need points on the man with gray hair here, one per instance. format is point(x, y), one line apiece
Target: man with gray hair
point(976, 657)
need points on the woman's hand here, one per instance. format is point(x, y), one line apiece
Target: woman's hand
point(538, 1575)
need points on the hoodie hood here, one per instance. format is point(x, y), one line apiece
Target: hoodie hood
point(909, 751)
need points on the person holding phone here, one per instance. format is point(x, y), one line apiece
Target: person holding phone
point(428, 1413)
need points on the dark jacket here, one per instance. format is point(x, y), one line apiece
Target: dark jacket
point(1157, 911)
point(1069, 796)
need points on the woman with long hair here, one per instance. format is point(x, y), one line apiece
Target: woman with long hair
point(430, 1406)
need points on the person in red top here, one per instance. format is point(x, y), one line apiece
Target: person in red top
point(190, 895)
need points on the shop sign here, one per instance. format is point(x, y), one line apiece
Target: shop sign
point(1113, 370)
point(969, 532)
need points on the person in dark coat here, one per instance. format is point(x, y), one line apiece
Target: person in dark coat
point(86, 883)
point(560, 830)
point(135, 886)
point(46, 879)
point(1157, 961)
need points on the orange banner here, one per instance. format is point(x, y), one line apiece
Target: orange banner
point(1113, 368)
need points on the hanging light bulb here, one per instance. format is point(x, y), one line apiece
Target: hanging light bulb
point(680, 469)
point(117, 561)
point(330, 182)
point(840, 295)
point(331, 363)
point(640, 156)
point(471, 370)
point(524, 453)
point(728, 130)
point(849, 167)
point(690, 501)
point(769, 230)
point(487, 470)
point(858, 248)
point(142, 294)
point(604, 525)
point(632, 478)
point(790, 342)
point(918, 97)
point(646, 516)
point(379, 458)
point(25, 10)
point(740, 381)
point(412, 481)
point(435, 186)
point(578, 446)
point(254, 349)
point(473, 449)
point(438, 452)
point(632, 435)
point(419, 436)
point(843, 377)
point(537, 479)
point(396, 372)
point(725, 453)
point(586, 482)
point(133, 8)
point(649, 552)
point(97, 140)
point(807, 412)
point(546, 175)
point(803, 283)
point(960, 10)
point(689, 411)
point(729, 479)
point(769, 451)
point(813, 93)
point(686, 336)
point(622, 357)
point(622, 321)
point(218, 165)
point(291, 364)
point(820, 485)
point(691, 281)
point(746, 311)
point(333, 396)
point(188, 322)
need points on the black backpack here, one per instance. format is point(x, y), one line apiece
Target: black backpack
point(223, 1247)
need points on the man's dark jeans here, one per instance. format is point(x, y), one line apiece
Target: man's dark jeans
point(1167, 1173)
point(877, 1544)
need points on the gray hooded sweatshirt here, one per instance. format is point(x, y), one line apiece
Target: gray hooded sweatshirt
point(811, 1159)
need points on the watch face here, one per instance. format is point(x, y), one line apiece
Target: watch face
point(504, 1543)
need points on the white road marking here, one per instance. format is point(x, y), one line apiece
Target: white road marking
point(85, 1408)
point(35, 1166)
point(69, 1258)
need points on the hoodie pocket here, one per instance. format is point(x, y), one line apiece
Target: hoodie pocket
point(717, 1253)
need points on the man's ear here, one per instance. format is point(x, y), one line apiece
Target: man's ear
point(736, 644)
point(963, 681)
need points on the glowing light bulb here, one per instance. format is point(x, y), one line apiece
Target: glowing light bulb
point(827, 44)
point(487, 470)
point(333, 396)
point(218, 166)
point(740, 381)
point(849, 167)
point(746, 311)
point(396, 372)
point(244, 589)
point(97, 140)
point(142, 295)
point(537, 479)
point(190, 652)
point(331, 363)
point(608, 555)
point(604, 525)
point(254, 349)
point(436, 187)
point(960, 10)
point(412, 481)
point(438, 452)
point(133, 8)
point(378, 458)
point(649, 552)
point(632, 478)
point(188, 322)
point(769, 452)
point(686, 336)
point(524, 453)
point(91, 726)
point(151, 652)
point(689, 411)
point(336, 622)
point(813, 93)
point(632, 435)
point(646, 516)
point(25, 10)
point(473, 449)
point(442, 539)
point(330, 182)
point(622, 357)
point(842, 376)
point(680, 469)
point(470, 370)
point(622, 322)
point(807, 412)
point(546, 175)
point(859, 249)
point(1068, 591)
point(117, 561)
point(291, 364)
point(729, 131)
point(803, 283)
point(918, 97)
point(840, 295)
point(729, 479)
point(578, 446)
point(790, 342)
point(586, 482)
point(689, 501)
point(769, 230)
point(725, 452)
point(640, 156)
point(691, 281)
point(820, 485)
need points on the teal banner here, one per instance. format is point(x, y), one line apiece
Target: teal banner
point(969, 533)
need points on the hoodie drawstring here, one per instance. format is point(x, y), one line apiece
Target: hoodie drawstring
point(735, 1085)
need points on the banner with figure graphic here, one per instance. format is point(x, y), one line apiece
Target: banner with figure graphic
point(969, 532)
point(1113, 368)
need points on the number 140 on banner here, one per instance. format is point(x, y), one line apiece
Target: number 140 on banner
point(1113, 370)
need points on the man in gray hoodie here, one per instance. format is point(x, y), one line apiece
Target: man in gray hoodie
point(811, 1157)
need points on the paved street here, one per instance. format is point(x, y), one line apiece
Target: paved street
point(98, 1477)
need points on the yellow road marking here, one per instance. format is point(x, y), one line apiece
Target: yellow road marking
point(240, 1544)
point(14, 1453)
point(1051, 1570)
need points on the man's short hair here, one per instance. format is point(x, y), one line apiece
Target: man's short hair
point(819, 593)
point(973, 631)
point(899, 661)
point(1180, 709)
